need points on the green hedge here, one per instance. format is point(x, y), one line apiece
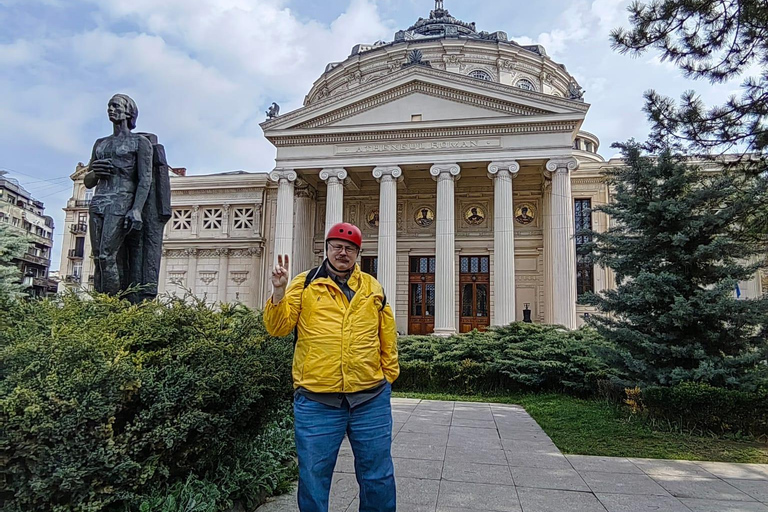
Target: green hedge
point(520, 357)
point(109, 406)
point(698, 407)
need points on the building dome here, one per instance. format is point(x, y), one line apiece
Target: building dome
point(445, 42)
point(441, 23)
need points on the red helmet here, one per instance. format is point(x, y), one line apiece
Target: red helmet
point(345, 231)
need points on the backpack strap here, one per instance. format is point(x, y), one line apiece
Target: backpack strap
point(311, 275)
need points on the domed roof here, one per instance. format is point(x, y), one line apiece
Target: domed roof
point(448, 44)
point(441, 24)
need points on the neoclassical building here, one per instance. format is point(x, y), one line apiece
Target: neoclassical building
point(458, 152)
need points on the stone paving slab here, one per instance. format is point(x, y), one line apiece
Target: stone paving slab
point(470, 457)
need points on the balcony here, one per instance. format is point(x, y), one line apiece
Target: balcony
point(37, 260)
point(78, 229)
point(75, 254)
point(73, 278)
point(47, 242)
point(46, 283)
point(82, 203)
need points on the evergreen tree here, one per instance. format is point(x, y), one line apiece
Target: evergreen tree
point(678, 246)
point(713, 41)
point(12, 245)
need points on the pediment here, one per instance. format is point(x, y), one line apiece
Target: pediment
point(434, 94)
point(431, 102)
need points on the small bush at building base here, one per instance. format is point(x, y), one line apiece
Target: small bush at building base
point(698, 407)
point(519, 357)
point(108, 406)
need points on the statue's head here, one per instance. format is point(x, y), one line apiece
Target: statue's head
point(121, 107)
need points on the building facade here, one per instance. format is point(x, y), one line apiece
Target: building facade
point(458, 152)
point(25, 214)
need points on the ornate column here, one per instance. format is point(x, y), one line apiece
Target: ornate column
point(502, 174)
point(334, 201)
point(563, 244)
point(284, 222)
point(257, 300)
point(221, 293)
point(225, 219)
point(163, 272)
point(192, 270)
point(195, 220)
point(445, 255)
point(304, 223)
point(257, 219)
point(549, 289)
point(388, 178)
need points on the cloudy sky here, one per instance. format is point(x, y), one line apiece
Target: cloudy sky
point(204, 71)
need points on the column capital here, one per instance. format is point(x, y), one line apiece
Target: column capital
point(339, 173)
point(495, 169)
point(391, 171)
point(450, 170)
point(565, 165)
point(279, 175)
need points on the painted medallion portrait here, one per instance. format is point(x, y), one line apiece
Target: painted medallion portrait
point(425, 216)
point(474, 215)
point(525, 213)
point(373, 218)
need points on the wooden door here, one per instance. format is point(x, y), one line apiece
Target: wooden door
point(421, 295)
point(475, 293)
point(370, 265)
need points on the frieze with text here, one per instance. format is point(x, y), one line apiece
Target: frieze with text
point(397, 147)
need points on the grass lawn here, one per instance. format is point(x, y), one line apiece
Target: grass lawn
point(591, 427)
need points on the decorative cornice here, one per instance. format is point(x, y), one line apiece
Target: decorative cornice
point(239, 276)
point(393, 172)
point(283, 174)
point(425, 133)
point(305, 193)
point(505, 64)
point(445, 171)
point(565, 165)
point(337, 173)
point(510, 166)
point(208, 276)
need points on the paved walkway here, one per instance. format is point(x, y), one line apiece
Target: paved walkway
point(457, 456)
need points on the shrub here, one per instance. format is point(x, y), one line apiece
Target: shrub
point(519, 357)
point(699, 407)
point(104, 404)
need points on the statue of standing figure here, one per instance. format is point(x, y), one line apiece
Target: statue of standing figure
point(130, 206)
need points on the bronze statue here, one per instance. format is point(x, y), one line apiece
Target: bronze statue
point(130, 205)
point(273, 111)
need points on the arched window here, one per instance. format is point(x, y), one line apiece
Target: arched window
point(481, 75)
point(525, 84)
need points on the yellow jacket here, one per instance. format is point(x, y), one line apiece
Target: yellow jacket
point(342, 347)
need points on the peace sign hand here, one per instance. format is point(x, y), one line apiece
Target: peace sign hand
point(280, 277)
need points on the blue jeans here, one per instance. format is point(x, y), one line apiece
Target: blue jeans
point(320, 430)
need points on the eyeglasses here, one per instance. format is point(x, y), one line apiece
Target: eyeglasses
point(345, 248)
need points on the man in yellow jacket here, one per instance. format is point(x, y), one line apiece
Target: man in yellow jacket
point(344, 364)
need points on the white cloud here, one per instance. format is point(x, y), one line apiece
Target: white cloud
point(201, 71)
